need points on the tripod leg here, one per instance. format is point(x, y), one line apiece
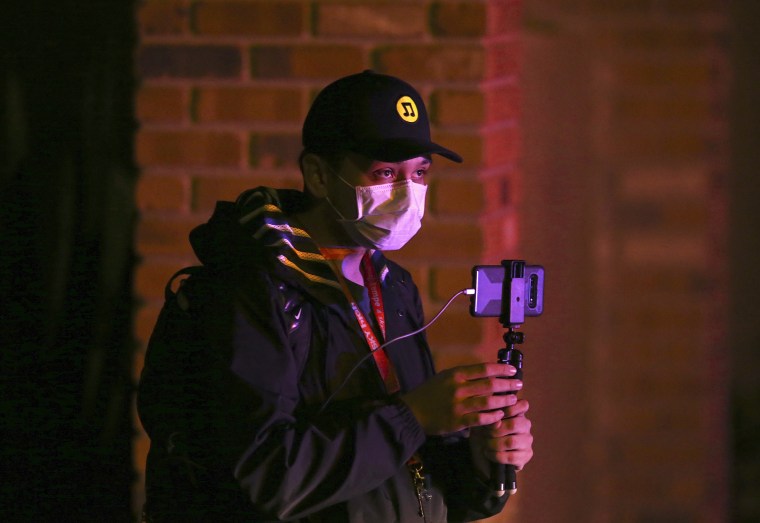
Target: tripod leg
point(503, 477)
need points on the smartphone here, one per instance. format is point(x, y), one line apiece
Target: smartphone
point(511, 291)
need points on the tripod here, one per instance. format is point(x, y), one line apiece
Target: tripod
point(503, 477)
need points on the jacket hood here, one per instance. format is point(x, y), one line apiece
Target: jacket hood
point(254, 233)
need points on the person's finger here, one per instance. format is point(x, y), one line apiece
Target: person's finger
point(518, 409)
point(513, 425)
point(478, 371)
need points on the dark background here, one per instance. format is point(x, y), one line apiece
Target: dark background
point(66, 219)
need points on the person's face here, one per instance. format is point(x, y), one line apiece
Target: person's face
point(359, 170)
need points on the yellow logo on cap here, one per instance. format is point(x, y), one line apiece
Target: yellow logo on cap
point(407, 110)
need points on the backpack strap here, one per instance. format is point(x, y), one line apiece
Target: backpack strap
point(169, 292)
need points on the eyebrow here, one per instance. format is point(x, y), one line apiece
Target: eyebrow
point(425, 162)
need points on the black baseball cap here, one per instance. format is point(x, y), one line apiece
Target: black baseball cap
point(376, 115)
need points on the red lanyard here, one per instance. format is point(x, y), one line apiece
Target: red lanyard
point(372, 283)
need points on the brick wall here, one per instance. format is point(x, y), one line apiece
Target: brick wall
point(604, 159)
point(625, 176)
point(225, 86)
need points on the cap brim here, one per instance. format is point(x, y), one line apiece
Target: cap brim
point(400, 150)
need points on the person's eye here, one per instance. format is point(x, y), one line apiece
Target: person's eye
point(384, 174)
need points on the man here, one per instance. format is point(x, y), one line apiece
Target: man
point(266, 392)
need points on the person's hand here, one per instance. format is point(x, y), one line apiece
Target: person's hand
point(463, 397)
point(507, 441)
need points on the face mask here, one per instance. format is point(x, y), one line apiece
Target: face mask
point(388, 215)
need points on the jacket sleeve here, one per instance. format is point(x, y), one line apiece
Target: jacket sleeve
point(289, 460)
point(468, 495)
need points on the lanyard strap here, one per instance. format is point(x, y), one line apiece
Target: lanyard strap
point(372, 283)
point(375, 292)
point(382, 361)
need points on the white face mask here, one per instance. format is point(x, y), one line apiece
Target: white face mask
point(388, 215)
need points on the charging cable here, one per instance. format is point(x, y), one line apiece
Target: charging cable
point(468, 292)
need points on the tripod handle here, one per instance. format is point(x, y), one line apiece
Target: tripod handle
point(503, 477)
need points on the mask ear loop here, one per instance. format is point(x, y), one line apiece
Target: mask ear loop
point(343, 218)
point(356, 195)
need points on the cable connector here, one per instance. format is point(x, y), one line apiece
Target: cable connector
point(469, 292)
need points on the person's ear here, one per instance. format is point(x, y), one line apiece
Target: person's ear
point(315, 173)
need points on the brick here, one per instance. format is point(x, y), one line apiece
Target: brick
point(261, 18)
point(145, 320)
point(446, 281)
point(691, 217)
point(690, 181)
point(501, 235)
point(448, 356)
point(671, 393)
point(176, 148)
point(677, 73)
point(682, 250)
point(673, 217)
point(159, 104)
point(248, 104)
point(189, 61)
point(682, 109)
point(209, 190)
point(502, 103)
point(308, 62)
point(436, 237)
point(672, 450)
point(658, 39)
point(161, 17)
point(639, 216)
point(456, 107)
point(162, 192)
point(683, 7)
point(504, 17)
point(660, 142)
point(151, 277)
point(141, 442)
point(456, 327)
point(502, 146)
point(275, 150)
point(164, 235)
point(621, 7)
point(455, 195)
point(270, 62)
point(462, 62)
point(371, 19)
point(662, 281)
point(458, 19)
point(499, 192)
point(469, 146)
point(503, 60)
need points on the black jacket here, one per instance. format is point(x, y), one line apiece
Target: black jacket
point(238, 370)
